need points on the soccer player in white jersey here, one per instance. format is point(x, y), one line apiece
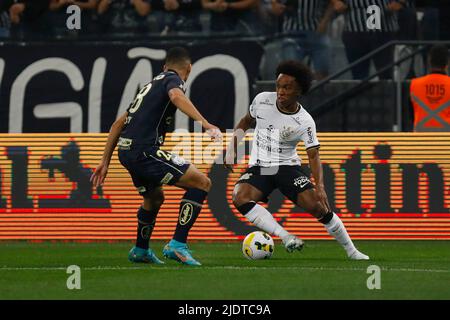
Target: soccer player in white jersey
point(280, 124)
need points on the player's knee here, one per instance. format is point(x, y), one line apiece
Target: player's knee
point(154, 201)
point(157, 201)
point(240, 199)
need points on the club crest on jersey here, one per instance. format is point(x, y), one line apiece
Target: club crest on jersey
point(286, 132)
point(179, 161)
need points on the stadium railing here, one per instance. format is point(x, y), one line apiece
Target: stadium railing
point(363, 85)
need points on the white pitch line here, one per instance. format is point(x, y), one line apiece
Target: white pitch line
point(187, 268)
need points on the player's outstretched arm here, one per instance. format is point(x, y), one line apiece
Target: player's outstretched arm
point(316, 168)
point(183, 103)
point(99, 175)
point(243, 125)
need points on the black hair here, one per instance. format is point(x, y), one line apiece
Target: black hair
point(177, 56)
point(438, 56)
point(299, 71)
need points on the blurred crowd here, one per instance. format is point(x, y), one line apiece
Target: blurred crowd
point(306, 26)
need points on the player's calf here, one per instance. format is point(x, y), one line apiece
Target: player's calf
point(336, 228)
point(197, 186)
point(146, 216)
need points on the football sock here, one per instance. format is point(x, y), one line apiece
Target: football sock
point(336, 228)
point(146, 223)
point(262, 218)
point(190, 207)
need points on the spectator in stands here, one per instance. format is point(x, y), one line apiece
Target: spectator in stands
point(58, 15)
point(127, 16)
point(430, 95)
point(359, 40)
point(407, 21)
point(239, 16)
point(26, 17)
point(180, 15)
point(435, 24)
point(268, 21)
point(304, 23)
point(5, 20)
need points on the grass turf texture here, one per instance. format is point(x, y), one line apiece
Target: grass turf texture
point(409, 270)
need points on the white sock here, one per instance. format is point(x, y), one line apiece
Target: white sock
point(264, 220)
point(336, 228)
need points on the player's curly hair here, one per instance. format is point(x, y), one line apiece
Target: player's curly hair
point(299, 71)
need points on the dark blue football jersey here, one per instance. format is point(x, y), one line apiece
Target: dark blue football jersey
point(152, 112)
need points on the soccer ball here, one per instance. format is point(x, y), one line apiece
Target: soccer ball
point(258, 245)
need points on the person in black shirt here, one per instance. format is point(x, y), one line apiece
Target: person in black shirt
point(236, 16)
point(27, 18)
point(183, 16)
point(139, 133)
point(360, 40)
point(5, 20)
point(124, 16)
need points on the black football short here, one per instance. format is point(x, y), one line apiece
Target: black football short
point(290, 180)
point(151, 167)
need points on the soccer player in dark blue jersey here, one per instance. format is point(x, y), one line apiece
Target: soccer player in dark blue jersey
point(139, 133)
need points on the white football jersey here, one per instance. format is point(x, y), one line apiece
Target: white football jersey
point(277, 133)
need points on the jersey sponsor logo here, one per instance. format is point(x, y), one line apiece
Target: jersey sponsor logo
point(166, 179)
point(310, 135)
point(124, 143)
point(186, 213)
point(301, 182)
point(297, 119)
point(145, 231)
point(266, 102)
point(269, 148)
point(246, 176)
point(141, 189)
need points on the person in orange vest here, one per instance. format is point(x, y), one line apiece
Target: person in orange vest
point(430, 95)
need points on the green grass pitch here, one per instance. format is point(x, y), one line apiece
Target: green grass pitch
point(409, 270)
